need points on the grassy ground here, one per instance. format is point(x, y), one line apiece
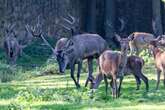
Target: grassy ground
point(31, 89)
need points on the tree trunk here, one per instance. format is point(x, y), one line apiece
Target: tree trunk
point(91, 16)
point(109, 21)
point(157, 22)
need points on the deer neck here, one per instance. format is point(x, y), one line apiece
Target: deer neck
point(123, 56)
point(123, 62)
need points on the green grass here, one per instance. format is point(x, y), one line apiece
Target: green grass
point(30, 88)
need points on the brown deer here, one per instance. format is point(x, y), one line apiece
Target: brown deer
point(115, 65)
point(159, 57)
point(139, 41)
point(12, 46)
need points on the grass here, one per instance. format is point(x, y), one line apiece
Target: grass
point(34, 84)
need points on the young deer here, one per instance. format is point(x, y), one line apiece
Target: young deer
point(159, 57)
point(114, 64)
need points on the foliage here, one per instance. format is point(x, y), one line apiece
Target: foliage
point(36, 84)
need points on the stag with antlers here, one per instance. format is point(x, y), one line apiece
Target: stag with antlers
point(12, 46)
point(77, 48)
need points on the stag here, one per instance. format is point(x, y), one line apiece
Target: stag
point(115, 65)
point(12, 46)
point(159, 57)
point(76, 49)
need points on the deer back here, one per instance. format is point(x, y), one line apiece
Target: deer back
point(109, 62)
point(141, 39)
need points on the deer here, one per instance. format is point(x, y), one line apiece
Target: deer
point(139, 41)
point(12, 47)
point(159, 57)
point(77, 48)
point(115, 65)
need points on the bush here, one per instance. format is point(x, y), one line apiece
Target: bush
point(7, 73)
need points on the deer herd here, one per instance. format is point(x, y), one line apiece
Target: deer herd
point(112, 65)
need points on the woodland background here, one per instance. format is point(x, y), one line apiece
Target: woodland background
point(95, 16)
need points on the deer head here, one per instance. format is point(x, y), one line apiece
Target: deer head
point(124, 42)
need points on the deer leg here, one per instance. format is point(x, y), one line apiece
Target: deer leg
point(112, 87)
point(113, 84)
point(106, 84)
point(120, 82)
point(164, 79)
point(144, 78)
point(138, 82)
point(79, 71)
point(90, 71)
point(137, 51)
point(158, 79)
point(115, 88)
point(72, 75)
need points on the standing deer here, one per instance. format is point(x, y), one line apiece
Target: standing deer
point(139, 41)
point(12, 46)
point(159, 57)
point(114, 65)
point(78, 48)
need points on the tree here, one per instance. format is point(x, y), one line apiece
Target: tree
point(109, 20)
point(157, 22)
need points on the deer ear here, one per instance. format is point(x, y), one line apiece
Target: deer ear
point(118, 37)
point(158, 38)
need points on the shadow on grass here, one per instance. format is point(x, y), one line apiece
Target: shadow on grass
point(60, 107)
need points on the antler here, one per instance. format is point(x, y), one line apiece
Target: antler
point(73, 20)
point(71, 23)
point(122, 24)
point(47, 43)
point(10, 27)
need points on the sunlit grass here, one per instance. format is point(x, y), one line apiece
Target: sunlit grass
point(32, 89)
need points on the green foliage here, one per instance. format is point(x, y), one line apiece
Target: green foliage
point(39, 86)
point(145, 55)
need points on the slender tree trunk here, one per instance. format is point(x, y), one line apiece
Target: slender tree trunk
point(91, 16)
point(163, 15)
point(157, 22)
point(109, 20)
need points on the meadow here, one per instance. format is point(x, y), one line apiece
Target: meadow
point(35, 84)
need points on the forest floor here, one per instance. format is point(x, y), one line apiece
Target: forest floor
point(37, 86)
point(58, 92)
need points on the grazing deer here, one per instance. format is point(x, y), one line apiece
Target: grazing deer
point(11, 45)
point(159, 57)
point(139, 41)
point(76, 49)
point(110, 63)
